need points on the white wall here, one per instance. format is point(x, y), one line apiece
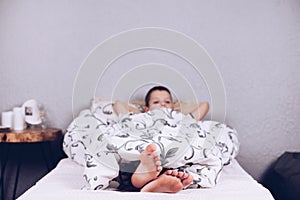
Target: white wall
point(255, 44)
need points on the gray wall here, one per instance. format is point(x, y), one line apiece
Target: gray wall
point(255, 44)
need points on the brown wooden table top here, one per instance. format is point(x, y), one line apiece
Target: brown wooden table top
point(31, 135)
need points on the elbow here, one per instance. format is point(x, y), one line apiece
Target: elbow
point(204, 107)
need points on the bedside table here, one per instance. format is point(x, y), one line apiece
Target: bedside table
point(20, 138)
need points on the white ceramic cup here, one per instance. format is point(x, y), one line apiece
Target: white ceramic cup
point(32, 112)
point(19, 122)
point(7, 119)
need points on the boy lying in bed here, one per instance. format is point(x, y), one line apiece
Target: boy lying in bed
point(197, 149)
point(148, 176)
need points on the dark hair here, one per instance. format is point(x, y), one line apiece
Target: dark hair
point(160, 88)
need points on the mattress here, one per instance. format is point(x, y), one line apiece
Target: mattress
point(65, 182)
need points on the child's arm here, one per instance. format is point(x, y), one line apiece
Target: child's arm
point(198, 111)
point(123, 108)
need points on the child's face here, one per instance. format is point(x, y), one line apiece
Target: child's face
point(160, 99)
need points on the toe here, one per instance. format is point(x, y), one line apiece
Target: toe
point(151, 148)
point(155, 156)
point(159, 168)
point(180, 174)
point(185, 175)
point(174, 173)
point(187, 181)
point(158, 163)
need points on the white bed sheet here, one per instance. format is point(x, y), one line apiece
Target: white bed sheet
point(65, 181)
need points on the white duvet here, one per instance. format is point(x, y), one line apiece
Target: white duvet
point(103, 146)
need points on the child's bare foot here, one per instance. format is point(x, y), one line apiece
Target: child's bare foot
point(170, 182)
point(148, 169)
point(164, 183)
point(185, 178)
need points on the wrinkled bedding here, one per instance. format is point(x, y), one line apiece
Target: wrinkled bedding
point(103, 145)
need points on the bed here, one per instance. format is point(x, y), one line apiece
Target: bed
point(66, 180)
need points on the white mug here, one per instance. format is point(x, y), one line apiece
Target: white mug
point(7, 119)
point(31, 112)
point(19, 122)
